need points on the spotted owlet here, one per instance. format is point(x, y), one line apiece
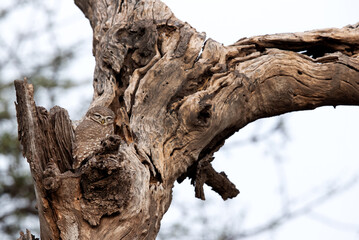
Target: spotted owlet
point(97, 124)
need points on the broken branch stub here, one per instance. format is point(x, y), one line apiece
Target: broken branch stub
point(112, 184)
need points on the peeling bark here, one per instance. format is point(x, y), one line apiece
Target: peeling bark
point(177, 97)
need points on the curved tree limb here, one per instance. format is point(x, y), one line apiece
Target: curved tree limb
point(253, 78)
point(204, 98)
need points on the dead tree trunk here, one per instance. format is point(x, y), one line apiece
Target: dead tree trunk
point(176, 97)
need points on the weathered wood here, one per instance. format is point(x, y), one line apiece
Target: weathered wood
point(27, 236)
point(114, 183)
point(177, 97)
point(34, 149)
point(218, 181)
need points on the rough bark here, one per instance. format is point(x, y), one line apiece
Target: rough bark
point(177, 96)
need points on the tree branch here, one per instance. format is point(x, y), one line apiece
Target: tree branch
point(218, 181)
point(319, 41)
point(247, 81)
point(27, 236)
point(207, 90)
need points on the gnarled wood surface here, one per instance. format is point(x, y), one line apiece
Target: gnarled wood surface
point(177, 97)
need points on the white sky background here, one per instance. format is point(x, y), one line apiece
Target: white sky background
point(322, 146)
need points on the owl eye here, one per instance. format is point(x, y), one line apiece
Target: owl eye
point(109, 119)
point(97, 116)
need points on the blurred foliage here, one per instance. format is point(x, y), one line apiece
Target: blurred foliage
point(19, 57)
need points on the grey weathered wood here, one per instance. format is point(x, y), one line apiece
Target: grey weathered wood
point(27, 236)
point(177, 98)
